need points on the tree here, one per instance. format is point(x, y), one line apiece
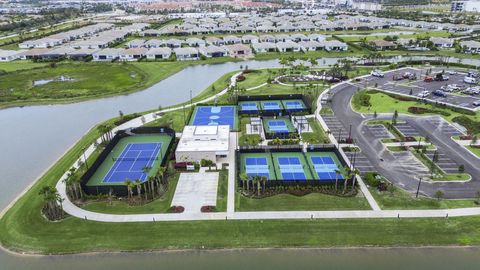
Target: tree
point(395, 117)
point(53, 202)
point(353, 174)
point(128, 183)
point(138, 185)
point(461, 168)
point(375, 114)
point(344, 173)
point(477, 195)
point(474, 140)
point(439, 194)
point(313, 62)
point(243, 178)
point(337, 172)
point(120, 113)
point(264, 183)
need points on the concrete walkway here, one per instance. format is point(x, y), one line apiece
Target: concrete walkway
point(76, 211)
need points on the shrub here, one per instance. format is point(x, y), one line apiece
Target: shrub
point(472, 126)
point(240, 78)
point(176, 209)
point(208, 209)
point(361, 99)
point(421, 110)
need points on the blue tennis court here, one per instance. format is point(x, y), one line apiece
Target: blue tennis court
point(293, 105)
point(132, 160)
point(249, 106)
point(271, 106)
point(214, 115)
point(257, 166)
point(277, 126)
point(291, 168)
point(325, 168)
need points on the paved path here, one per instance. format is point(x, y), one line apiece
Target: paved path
point(74, 210)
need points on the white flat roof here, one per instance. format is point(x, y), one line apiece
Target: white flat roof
point(204, 138)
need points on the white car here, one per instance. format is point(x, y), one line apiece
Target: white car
point(451, 72)
point(377, 73)
point(476, 103)
point(470, 80)
point(424, 94)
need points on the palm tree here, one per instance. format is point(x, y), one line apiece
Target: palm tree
point(128, 184)
point(354, 173)
point(138, 184)
point(337, 172)
point(51, 197)
point(344, 172)
point(264, 182)
point(243, 178)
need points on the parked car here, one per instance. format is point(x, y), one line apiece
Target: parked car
point(439, 93)
point(428, 79)
point(476, 103)
point(470, 80)
point(441, 77)
point(452, 72)
point(377, 73)
point(424, 94)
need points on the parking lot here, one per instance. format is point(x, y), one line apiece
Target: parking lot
point(420, 87)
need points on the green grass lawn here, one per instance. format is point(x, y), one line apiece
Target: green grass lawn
point(382, 103)
point(287, 202)
point(222, 191)
point(400, 199)
point(257, 77)
point(20, 65)
point(476, 151)
point(173, 119)
point(318, 136)
point(160, 205)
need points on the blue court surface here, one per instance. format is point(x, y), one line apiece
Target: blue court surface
point(214, 115)
point(132, 160)
point(249, 106)
point(277, 126)
point(325, 168)
point(271, 106)
point(257, 167)
point(293, 105)
point(291, 168)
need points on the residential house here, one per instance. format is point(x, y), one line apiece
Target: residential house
point(108, 54)
point(382, 45)
point(215, 41)
point(264, 47)
point(442, 43)
point(282, 38)
point(267, 38)
point(213, 51)
point(195, 42)
point(308, 46)
point(158, 53)
point(7, 55)
point(136, 43)
point(173, 43)
point(470, 46)
point(334, 45)
point(239, 50)
point(133, 54)
point(250, 39)
point(154, 43)
point(287, 46)
point(299, 37)
point(187, 53)
point(229, 40)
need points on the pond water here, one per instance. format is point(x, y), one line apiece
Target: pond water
point(33, 137)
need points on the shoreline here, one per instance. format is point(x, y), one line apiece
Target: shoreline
point(229, 249)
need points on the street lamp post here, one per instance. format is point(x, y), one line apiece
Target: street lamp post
point(418, 188)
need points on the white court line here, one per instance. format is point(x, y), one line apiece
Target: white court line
point(115, 166)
